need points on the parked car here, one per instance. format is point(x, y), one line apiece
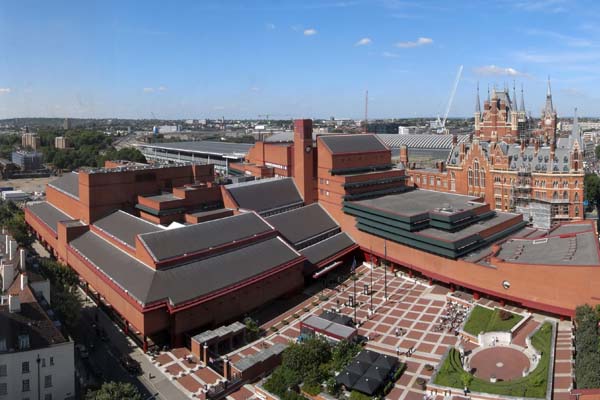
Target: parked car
point(132, 366)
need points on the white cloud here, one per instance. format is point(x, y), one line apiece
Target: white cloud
point(494, 70)
point(148, 90)
point(310, 32)
point(255, 89)
point(568, 40)
point(422, 41)
point(363, 42)
point(270, 26)
point(5, 90)
point(389, 54)
point(548, 6)
point(162, 88)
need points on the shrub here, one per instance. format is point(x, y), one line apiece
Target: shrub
point(295, 316)
point(306, 309)
point(312, 388)
point(323, 297)
point(358, 396)
point(284, 322)
point(505, 315)
point(274, 329)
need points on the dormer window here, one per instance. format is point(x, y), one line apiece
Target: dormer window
point(23, 342)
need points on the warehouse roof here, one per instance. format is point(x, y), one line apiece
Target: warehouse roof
point(266, 195)
point(184, 282)
point(204, 147)
point(304, 223)
point(171, 243)
point(415, 141)
point(68, 184)
point(49, 214)
point(125, 227)
point(356, 143)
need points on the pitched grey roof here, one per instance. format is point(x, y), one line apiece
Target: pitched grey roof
point(171, 243)
point(125, 227)
point(205, 147)
point(185, 282)
point(249, 361)
point(68, 184)
point(429, 141)
point(327, 248)
point(354, 143)
point(266, 195)
point(48, 213)
point(304, 223)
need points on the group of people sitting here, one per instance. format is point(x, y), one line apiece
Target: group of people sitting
point(452, 318)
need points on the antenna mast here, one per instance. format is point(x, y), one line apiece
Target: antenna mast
point(366, 111)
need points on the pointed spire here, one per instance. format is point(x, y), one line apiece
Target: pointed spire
point(478, 103)
point(522, 107)
point(549, 108)
point(575, 133)
point(514, 98)
point(488, 99)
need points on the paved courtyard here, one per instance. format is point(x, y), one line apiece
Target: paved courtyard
point(408, 320)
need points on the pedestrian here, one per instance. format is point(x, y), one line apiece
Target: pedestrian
point(397, 332)
point(397, 350)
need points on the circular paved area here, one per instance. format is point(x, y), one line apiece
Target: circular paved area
point(504, 363)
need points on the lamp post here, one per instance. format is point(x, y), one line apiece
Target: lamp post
point(354, 297)
point(385, 296)
point(371, 280)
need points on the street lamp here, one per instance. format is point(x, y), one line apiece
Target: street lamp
point(385, 296)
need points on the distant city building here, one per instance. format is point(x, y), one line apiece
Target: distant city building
point(403, 130)
point(61, 142)
point(30, 141)
point(36, 360)
point(169, 128)
point(67, 124)
point(27, 160)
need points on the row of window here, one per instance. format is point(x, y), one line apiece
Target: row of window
point(433, 181)
point(537, 183)
point(26, 386)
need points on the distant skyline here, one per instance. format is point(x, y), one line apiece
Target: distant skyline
point(288, 59)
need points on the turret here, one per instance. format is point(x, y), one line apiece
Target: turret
point(477, 110)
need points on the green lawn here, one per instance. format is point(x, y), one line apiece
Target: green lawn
point(483, 319)
point(533, 385)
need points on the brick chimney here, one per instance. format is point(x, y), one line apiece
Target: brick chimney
point(404, 154)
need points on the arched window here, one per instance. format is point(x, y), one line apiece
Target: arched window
point(576, 197)
point(577, 211)
point(476, 167)
point(576, 184)
point(565, 195)
point(555, 196)
point(452, 181)
point(470, 176)
point(482, 181)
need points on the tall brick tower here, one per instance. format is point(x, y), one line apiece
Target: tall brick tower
point(304, 170)
point(549, 117)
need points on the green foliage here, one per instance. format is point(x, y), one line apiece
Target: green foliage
point(8, 143)
point(127, 154)
point(306, 357)
point(85, 151)
point(587, 374)
point(591, 190)
point(281, 380)
point(452, 374)
point(114, 390)
point(252, 329)
point(343, 352)
point(312, 388)
point(483, 319)
point(333, 388)
point(13, 219)
point(597, 150)
point(358, 396)
point(65, 300)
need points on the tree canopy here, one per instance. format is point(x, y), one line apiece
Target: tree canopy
point(592, 190)
point(114, 390)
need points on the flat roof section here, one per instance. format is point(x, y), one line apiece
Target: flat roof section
point(68, 183)
point(301, 224)
point(163, 197)
point(580, 249)
point(327, 248)
point(49, 214)
point(171, 243)
point(571, 228)
point(353, 143)
point(125, 227)
point(204, 147)
point(473, 229)
point(419, 201)
point(185, 282)
point(266, 194)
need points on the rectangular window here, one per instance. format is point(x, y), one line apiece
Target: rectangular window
point(43, 362)
point(51, 360)
point(25, 385)
point(48, 396)
point(25, 367)
point(3, 370)
point(48, 381)
point(3, 389)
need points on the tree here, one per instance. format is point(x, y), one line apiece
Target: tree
point(114, 390)
point(598, 152)
point(592, 190)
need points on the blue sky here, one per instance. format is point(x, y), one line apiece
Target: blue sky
point(239, 59)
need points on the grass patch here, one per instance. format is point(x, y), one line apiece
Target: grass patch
point(451, 372)
point(483, 319)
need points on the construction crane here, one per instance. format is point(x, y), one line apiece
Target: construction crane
point(440, 124)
